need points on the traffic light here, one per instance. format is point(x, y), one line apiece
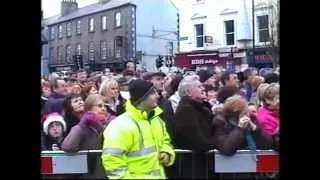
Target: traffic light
point(159, 61)
point(169, 61)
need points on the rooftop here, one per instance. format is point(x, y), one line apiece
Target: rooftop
point(86, 10)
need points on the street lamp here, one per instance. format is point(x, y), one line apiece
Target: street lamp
point(253, 36)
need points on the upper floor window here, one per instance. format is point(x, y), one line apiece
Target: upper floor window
point(103, 49)
point(198, 1)
point(78, 27)
point(118, 19)
point(51, 55)
point(52, 33)
point(59, 54)
point(91, 51)
point(68, 53)
point(78, 49)
point(104, 22)
point(199, 35)
point(263, 28)
point(69, 30)
point(118, 46)
point(60, 31)
point(91, 24)
point(229, 30)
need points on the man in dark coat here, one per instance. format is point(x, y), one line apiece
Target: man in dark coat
point(55, 100)
point(192, 128)
point(157, 79)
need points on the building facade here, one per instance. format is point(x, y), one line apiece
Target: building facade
point(102, 34)
point(44, 49)
point(224, 28)
point(156, 31)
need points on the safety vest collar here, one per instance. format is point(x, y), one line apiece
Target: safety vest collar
point(139, 114)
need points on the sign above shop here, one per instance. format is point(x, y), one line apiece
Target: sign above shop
point(203, 61)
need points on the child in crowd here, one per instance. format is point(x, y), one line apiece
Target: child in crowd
point(54, 128)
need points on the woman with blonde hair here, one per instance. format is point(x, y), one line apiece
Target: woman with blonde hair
point(114, 102)
point(268, 114)
point(262, 87)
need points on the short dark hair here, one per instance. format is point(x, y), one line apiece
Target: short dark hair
point(225, 92)
point(174, 84)
point(225, 77)
point(271, 78)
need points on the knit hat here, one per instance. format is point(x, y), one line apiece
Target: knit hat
point(54, 117)
point(139, 90)
point(204, 75)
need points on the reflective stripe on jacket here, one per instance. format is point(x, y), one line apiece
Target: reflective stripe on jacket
point(132, 144)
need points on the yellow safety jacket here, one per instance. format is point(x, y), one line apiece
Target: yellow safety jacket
point(132, 145)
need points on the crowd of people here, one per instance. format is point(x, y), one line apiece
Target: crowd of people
point(139, 118)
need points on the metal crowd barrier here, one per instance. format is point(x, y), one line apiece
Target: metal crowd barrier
point(244, 161)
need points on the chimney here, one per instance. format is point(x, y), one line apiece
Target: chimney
point(68, 6)
point(104, 1)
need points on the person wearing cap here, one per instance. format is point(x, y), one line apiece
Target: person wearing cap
point(207, 78)
point(157, 79)
point(136, 144)
point(124, 87)
point(54, 128)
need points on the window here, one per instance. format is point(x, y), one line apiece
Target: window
point(263, 28)
point(51, 55)
point(59, 54)
point(68, 54)
point(198, 2)
point(199, 35)
point(91, 51)
point(118, 19)
point(78, 49)
point(103, 49)
point(229, 29)
point(52, 34)
point(60, 31)
point(69, 29)
point(91, 25)
point(104, 22)
point(118, 46)
point(78, 27)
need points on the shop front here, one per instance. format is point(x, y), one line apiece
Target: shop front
point(262, 59)
point(211, 60)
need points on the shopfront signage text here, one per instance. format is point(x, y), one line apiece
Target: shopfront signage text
point(203, 61)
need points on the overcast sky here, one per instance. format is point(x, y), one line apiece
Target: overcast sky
point(52, 7)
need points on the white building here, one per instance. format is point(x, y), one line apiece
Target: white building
point(219, 25)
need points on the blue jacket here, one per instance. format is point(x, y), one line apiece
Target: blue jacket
point(246, 91)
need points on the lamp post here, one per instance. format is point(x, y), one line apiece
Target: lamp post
point(253, 36)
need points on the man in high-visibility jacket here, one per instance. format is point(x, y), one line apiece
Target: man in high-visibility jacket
point(136, 144)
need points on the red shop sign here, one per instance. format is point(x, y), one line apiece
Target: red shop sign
point(203, 59)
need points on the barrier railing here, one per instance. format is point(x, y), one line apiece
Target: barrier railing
point(244, 161)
